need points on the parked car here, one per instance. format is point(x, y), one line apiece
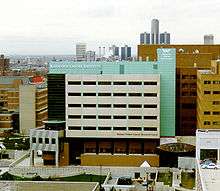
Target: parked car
point(209, 166)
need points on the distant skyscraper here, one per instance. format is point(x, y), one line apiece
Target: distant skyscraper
point(81, 52)
point(145, 38)
point(90, 56)
point(155, 37)
point(165, 38)
point(125, 52)
point(155, 31)
point(209, 39)
point(114, 50)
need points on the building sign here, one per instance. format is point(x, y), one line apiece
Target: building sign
point(166, 54)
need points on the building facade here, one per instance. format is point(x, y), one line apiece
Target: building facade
point(145, 38)
point(208, 97)
point(155, 31)
point(81, 52)
point(12, 98)
point(165, 38)
point(32, 107)
point(125, 53)
point(189, 59)
point(98, 100)
point(4, 65)
point(209, 39)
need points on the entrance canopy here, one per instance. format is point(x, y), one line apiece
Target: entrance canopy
point(145, 164)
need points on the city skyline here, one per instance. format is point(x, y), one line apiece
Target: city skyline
point(42, 27)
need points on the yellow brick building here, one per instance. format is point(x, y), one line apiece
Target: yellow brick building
point(208, 97)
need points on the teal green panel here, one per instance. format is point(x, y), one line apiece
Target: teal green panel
point(165, 66)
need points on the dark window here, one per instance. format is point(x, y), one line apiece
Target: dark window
point(135, 83)
point(119, 94)
point(207, 82)
point(53, 141)
point(150, 129)
point(135, 94)
point(216, 122)
point(74, 116)
point(134, 128)
point(104, 116)
point(104, 105)
point(119, 116)
point(74, 94)
point(104, 83)
point(135, 117)
point(89, 116)
point(89, 105)
point(105, 128)
point(74, 128)
point(207, 92)
point(216, 112)
point(206, 112)
point(150, 106)
point(206, 122)
point(33, 139)
point(89, 83)
point(119, 128)
point(135, 106)
point(40, 140)
point(74, 83)
point(89, 128)
point(119, 83)
point(150, 117)
point(89, 94)
point(104, 94)
point(216, 102)
point(119, 105)
point(150, 94)
point(216, 92)
point(74, 105)
point(150, 83)
point(46, 140)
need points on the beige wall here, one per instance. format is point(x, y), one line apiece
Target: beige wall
point(27, 113)
point(113, 111)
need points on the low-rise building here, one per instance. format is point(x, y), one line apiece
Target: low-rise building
point(16, 95)
point(116, 112)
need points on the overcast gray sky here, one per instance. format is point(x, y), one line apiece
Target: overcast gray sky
point(54, 26)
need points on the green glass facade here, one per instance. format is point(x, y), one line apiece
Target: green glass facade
point(165, 66)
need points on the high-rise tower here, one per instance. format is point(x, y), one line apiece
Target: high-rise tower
point(208, 39)
point(81, 52)
point(155, 31)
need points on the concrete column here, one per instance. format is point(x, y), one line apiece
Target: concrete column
point(32, 158)
point(218, 156)
point(57, 158)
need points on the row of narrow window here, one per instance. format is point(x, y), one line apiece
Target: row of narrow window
point(213, 123)
point(110, 83)
point(114, 128)
point(214, 92)
point(214, 113)
point(213, 82)
point(114, 105)
point(46, 140)
point(114, 94)
point(110, 117)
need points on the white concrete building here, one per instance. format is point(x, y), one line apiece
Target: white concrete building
point(208, 140)
point(113, 106)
